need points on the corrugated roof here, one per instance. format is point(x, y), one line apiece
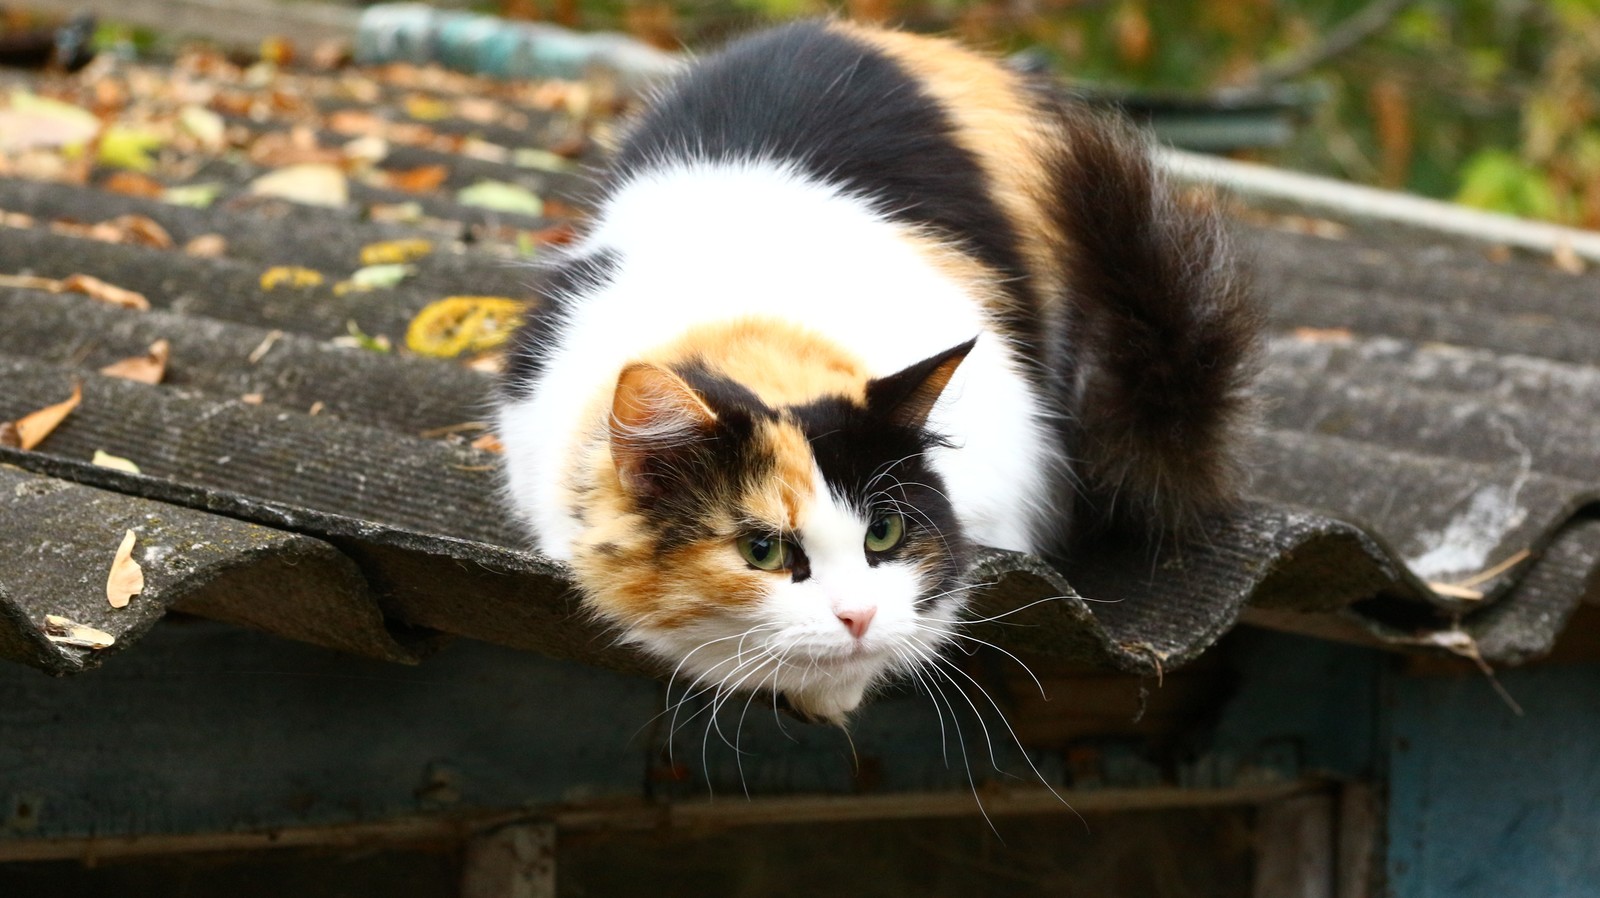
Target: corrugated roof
point(1434, 415)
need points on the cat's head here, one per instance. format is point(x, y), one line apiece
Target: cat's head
point(805, 550)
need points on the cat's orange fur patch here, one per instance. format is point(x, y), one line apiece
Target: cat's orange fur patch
point(628, 580)
point(781, 499)
point(782, 363)
point(997, 122)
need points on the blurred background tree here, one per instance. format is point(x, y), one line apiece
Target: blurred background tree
point(1490, 102)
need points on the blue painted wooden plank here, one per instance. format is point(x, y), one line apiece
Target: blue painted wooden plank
point(1486, 804)
point(1303, 705)
point(211, 728)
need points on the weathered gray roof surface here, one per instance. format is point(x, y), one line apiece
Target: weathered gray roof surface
point(1433, 414)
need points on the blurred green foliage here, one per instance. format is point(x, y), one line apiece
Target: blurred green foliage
point(1491, 102)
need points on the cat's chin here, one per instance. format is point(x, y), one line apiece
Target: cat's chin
point(831, 705)
point(831, 699)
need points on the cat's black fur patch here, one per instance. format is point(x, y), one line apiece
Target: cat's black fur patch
point(864, 458)
point(557, 284)
point(1162, 337)
point(845, 113)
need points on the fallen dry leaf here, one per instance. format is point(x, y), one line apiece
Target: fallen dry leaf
point(291, 276)
point(143, 230)
point(1323, 334)
point(392, 252)
point(1567, 259)
point(298, 147)
point(364, 152)
point(146, 369)
point(354, 121)
point(9, 437)
point(33, 427)
point(104, 459)
point(97, 289)
point(488, 363)
point(207, 246)
point(488, 443)
point(127, 577)
point(135, 229)
point(30, 282)
point(312, 184)
point(416, 180)
point(65, 631)
point(463, 324)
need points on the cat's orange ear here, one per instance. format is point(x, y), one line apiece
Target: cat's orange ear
point(906, 397)
point(653, 413)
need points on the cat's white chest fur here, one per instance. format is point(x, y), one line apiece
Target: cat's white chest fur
point(704, 243)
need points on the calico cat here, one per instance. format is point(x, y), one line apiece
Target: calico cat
point(853, 302)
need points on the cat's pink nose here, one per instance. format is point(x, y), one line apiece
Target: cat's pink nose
point(857, 620)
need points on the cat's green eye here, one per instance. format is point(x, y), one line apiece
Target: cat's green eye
point(885, 532)
point(764, 552)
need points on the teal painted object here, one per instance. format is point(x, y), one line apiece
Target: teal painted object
point(1302, 706)
point(1486, 804)
point(210, 728)
point(486, 45)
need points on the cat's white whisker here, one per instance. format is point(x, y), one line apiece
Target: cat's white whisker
point(961, 739)
point(1026, 756)
point(934, 660)
point(1025, 668)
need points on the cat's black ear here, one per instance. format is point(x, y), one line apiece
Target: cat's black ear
point(907, 396)
point(653, 414)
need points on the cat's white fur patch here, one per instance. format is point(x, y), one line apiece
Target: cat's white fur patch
point(704, 242)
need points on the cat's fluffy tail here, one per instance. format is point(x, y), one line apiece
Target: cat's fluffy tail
point(1163, 332)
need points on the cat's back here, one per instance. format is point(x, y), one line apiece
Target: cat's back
point(933, 135)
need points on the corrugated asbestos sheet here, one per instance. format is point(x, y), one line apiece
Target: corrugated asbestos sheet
point(1426, 477)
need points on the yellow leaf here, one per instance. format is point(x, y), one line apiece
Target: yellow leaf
point(105, 459)
point(426, 109)
point(292, 276)
point(129, 148)
point(393, 252)
point(461, 324)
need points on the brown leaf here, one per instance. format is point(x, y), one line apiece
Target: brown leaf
point(488, 443)
point(143, 231)
point(355, 121)
point(417, 180)
point(131, 183)
point(33, 427)
point(135, 229)
point(98, 289)
point(9, 437)
point(146, 369)
point(298, 147)
point(127, 577)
